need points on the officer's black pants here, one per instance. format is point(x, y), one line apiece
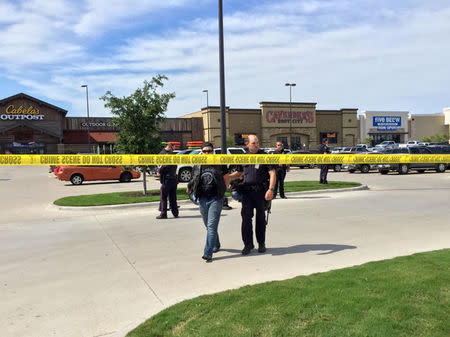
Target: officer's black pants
point(169, 190)
point(323, 174)
point(281, 174)
point(253, 200)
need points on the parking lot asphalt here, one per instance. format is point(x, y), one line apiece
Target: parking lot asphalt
point(102, 272)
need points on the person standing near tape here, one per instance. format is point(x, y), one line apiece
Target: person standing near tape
point(258, 187)
point(281, 172)
point(208, 184)
point(324, 149)
point(169, 182)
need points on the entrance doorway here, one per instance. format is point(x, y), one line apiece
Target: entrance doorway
point(381, 137)
point(25, 148)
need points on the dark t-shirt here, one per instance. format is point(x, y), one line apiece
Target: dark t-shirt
point(208, 184)
point(323, 148)
point(167, 172)
point(256, 175)
point(282, 167)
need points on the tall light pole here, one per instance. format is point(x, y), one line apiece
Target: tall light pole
point(222, 82)
point(290, 85)
point(207, 98)
point(87, 109)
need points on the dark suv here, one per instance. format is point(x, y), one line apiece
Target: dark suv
point(419, 167)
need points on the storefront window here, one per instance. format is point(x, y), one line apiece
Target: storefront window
point(332, 137)
point(296, 143)
point(381, 137)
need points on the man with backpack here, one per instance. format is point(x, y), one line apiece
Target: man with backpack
point(208, 184)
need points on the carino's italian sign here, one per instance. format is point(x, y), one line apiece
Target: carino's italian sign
point(13, 113)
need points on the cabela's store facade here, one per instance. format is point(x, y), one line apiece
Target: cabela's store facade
point(29, 125)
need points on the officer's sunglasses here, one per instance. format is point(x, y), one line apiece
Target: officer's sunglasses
point(207, 151)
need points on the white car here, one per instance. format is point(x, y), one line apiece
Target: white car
point(388, 144)
point(184, 172)
point(412, 143)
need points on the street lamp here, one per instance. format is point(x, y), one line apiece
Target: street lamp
point(207, 98)
point(290, 85)
point(223, 123)
point(87, 109)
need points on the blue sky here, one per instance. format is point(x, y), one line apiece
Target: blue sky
point(366, 54)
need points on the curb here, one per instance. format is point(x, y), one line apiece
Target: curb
point(188, 202)
point(334, 190)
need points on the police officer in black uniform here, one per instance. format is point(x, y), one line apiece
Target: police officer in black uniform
point(281, 172)
point(258, 187)
point(169, 182)
point(323, 148)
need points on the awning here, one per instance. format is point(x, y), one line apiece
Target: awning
point(104, 137)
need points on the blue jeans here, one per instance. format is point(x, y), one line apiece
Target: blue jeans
point(210, 209)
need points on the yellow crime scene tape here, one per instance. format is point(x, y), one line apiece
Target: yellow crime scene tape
point(228, 159)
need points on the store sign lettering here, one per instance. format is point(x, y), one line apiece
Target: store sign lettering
point(21, 113)
point(296, 117)
point(387, 123)
point(96, 124)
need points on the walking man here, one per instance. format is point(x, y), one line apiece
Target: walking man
point(280, 172)
point(208, 184)
point(323, 149)
point(258, 186)
point(169, 182)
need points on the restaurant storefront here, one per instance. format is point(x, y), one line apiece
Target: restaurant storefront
point(31, 126)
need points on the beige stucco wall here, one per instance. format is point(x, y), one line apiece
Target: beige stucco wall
point(329, 121)
point(428, 126)
point(244, 121)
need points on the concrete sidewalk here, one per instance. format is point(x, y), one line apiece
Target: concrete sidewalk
point(101, 273)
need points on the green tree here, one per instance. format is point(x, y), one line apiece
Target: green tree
point(139, 117)
point(426, 139)
point(440, 138)
point(230, 142)
point(368, 141)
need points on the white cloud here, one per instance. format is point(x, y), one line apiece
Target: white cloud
point(336, 56)
point(106, 14)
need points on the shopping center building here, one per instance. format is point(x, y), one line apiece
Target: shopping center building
point(299, 125)
point(30, 125)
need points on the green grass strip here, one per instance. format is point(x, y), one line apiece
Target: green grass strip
point(132, 197)
point(407, 296)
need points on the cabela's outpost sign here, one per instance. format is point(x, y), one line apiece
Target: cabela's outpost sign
point(20, 112)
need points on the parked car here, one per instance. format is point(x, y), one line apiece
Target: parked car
point(389, 144)
point(412, 143)
point(402, 168)
point(77, 174)
point(364, 168)
point(184, 172)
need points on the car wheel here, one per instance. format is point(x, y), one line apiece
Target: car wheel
point(337, 168)
point(77, 179)
point(351, 171)
point(185, 175)
point(365, 168)
point(440, 168)
point(125, 177)
point(384, 172)
point(421, 171)
point(403, 169)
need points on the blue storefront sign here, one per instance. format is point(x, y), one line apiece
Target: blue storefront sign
point(387, 123)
